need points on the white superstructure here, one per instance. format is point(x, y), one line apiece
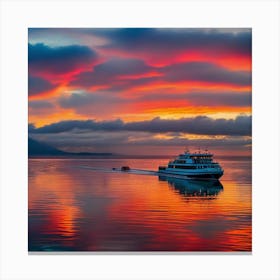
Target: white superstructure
point(193, 165)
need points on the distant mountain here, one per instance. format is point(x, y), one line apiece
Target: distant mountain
point(36, 148)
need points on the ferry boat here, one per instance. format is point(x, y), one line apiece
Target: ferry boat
point(193, 165)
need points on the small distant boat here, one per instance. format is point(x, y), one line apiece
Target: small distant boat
point(193, 165)
point(125, 168)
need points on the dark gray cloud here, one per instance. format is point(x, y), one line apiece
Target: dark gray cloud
point(39, 104)
point(92, 139)
point(202, 98)
point(237, 40)
point(200, 125)
point(207, 72)
point(117, 66)
point(93, 104)
point(238, 99)
point(58, 60)
point(110, 72)
point(64, 126)
point(37, 85)
point(182, 39)
point(77, 100)
point(41, 108)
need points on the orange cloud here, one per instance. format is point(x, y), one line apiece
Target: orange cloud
point(185, 86)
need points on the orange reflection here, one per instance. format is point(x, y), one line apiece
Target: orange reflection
point(107, 211)
point(63, 212)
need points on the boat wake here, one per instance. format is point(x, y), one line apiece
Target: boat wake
point(120, 170)
point(139, 172)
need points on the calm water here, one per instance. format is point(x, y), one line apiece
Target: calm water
point(77, 209)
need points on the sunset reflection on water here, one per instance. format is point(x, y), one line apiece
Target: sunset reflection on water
point(75, 209)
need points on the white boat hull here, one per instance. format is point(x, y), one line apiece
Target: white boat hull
point(207, 173)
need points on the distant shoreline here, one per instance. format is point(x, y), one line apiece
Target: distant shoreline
point(127, 157)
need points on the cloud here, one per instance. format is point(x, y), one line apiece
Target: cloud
point(202, 98)
point(115, 74)
point(206, 72)
point(232, 39)
point(121, 48)
point(136, 74)
point(59, 60)
point(98, 104)
point(234, 99)
point(167, 38)
point(110, 72)
point(77, 100)
point(64, 36)
point(157, 46)
point(76, 138)
point(159, 42)
point(40, 109)
point(37, 85)
point(93, 103)
point(40, 104)
point(200, 125)
point(64, 126)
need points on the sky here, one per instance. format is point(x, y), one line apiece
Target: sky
point(141, 91)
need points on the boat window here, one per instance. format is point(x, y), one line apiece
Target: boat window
point(180, 161)
point(184, 167)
